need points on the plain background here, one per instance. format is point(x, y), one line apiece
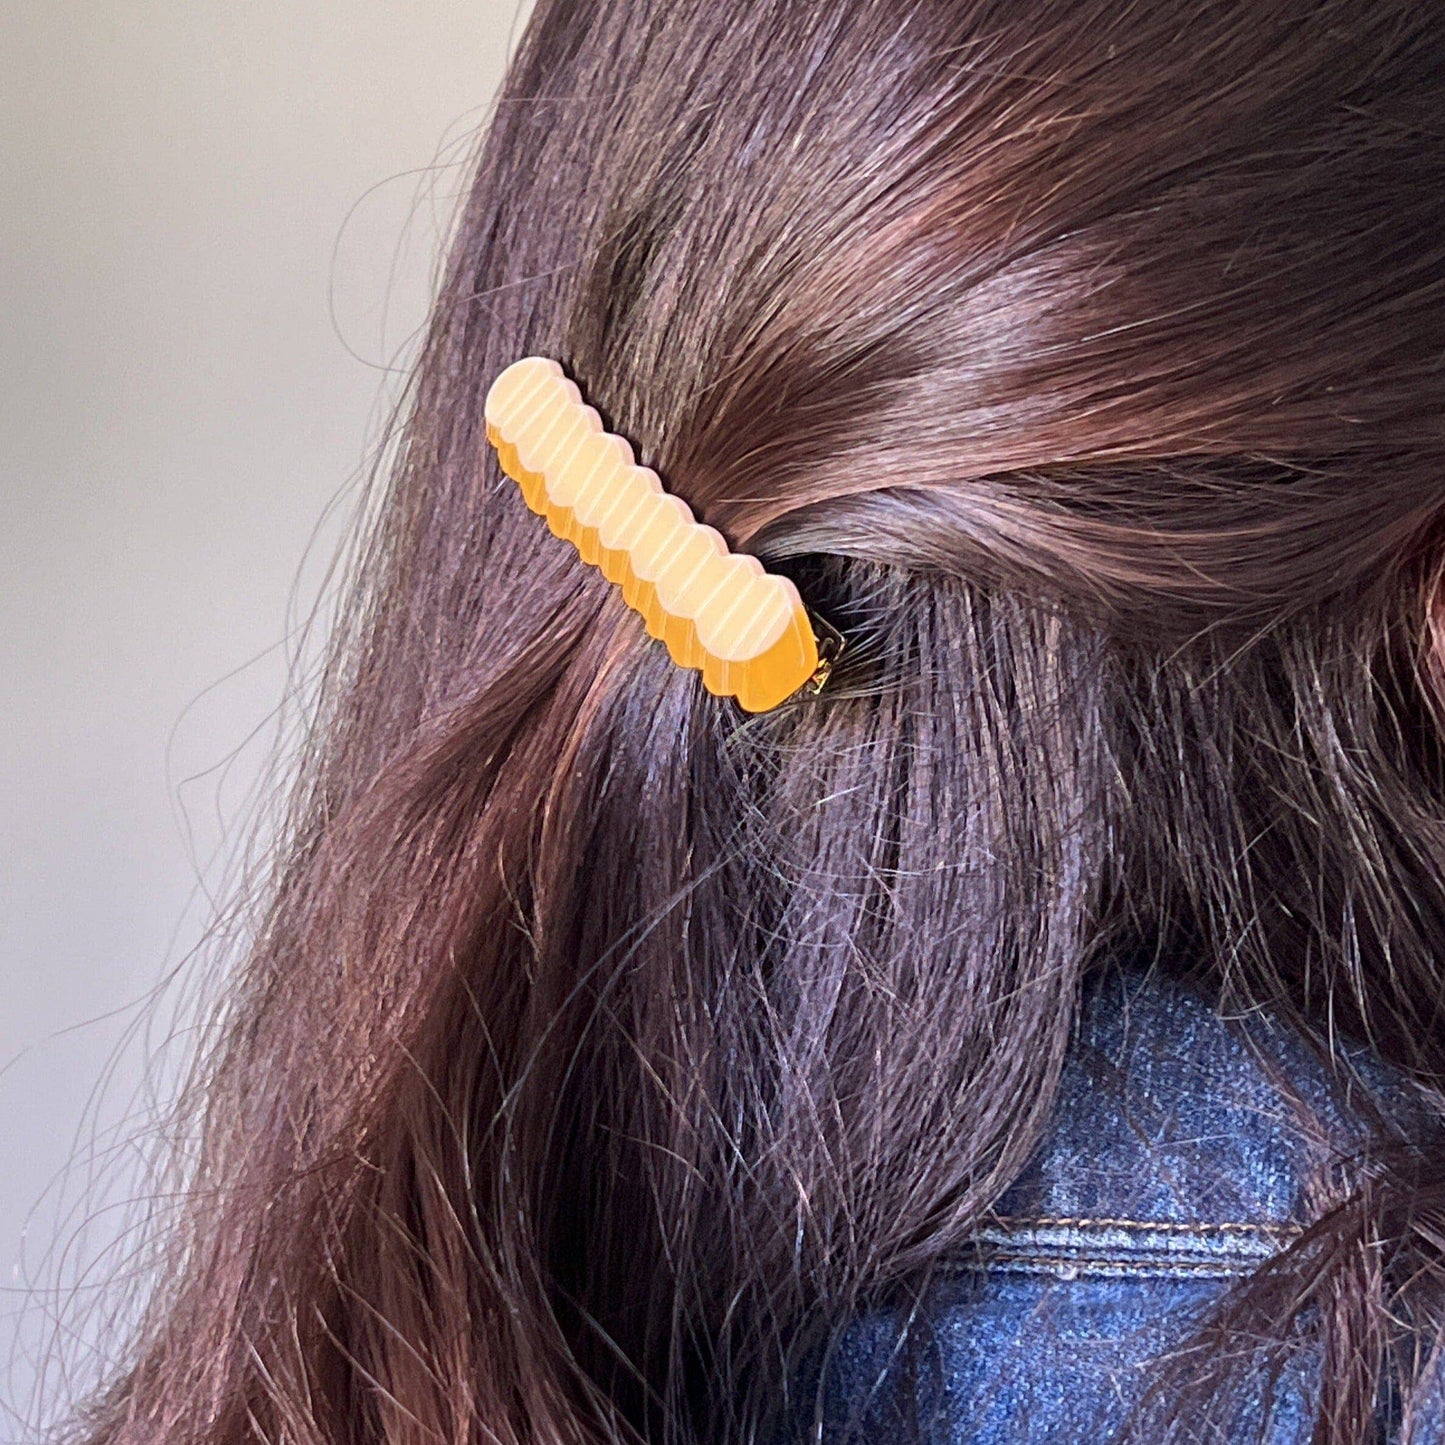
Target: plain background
point(220, 225)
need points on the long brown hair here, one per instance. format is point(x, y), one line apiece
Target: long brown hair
point(602, 1048)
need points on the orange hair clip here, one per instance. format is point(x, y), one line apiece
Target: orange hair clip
point(717, 610)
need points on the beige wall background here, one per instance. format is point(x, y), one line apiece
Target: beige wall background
point(219, 228)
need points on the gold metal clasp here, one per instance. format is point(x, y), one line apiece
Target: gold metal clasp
point(830, 644)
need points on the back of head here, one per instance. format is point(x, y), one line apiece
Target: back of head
point(1085, 363)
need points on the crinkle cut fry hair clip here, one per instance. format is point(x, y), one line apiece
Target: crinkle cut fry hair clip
point(745, 628)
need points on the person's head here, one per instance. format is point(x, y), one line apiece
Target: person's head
point(603, 1047)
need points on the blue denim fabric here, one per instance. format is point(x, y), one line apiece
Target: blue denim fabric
point(1174, 1165)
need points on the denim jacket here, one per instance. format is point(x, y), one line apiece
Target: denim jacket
point(1173, 1167)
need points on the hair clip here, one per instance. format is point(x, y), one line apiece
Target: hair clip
point(745, 628)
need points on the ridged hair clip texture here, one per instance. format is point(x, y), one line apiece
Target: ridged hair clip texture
point(717, 610)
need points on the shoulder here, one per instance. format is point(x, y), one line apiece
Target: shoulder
point(1178, 1159)
point(1172, 1116)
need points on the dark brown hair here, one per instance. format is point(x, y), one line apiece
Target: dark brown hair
point(601, 1049)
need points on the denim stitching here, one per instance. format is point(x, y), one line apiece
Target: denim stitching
point(1160, 1226)
point(1006, 1242)
point(1071, 1265)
